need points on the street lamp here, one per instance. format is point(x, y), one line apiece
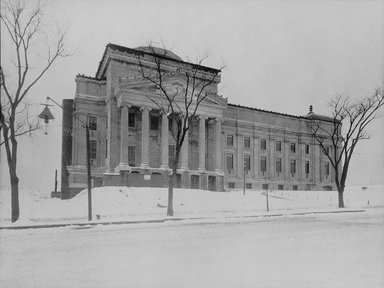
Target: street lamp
point(47, 115)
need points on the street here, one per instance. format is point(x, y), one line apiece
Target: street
point(325, 250)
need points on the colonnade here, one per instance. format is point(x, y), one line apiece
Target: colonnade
point(124, 132)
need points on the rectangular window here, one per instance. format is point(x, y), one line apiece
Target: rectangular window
point(293, 166)
point(92, 149)
point(293, 147)
point(171, 155)
point(295, 188)
point(131, 156)
point(231, 185)
point(327, 150)
point(229, 162)
point(248, 185)
point(327, 169)
point(263, 144)
point(247, 162)
point(92, 122)
point(154, 123)
point(265, 186)
point(307, 149)
point(131, 120)
point(280, 187)
point(278, 146)
point(263, 164)
point(307, 167)
point(230, 140)
point(278, 165)
point(247, 142)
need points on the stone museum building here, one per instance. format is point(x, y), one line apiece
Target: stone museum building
point(130, 142)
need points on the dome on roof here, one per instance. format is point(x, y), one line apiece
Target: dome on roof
point(159, 51)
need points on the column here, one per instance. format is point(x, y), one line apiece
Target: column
point(184, 152)
point(164, 141)
point(113, 158)
point(202, 143)
point(124, 137)
point(218, 145)
point(144, 137)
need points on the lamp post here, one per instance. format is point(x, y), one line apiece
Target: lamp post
point(244, 178)
point(266, 195)
point(47, 115)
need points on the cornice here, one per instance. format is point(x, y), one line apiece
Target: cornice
point(304, 118)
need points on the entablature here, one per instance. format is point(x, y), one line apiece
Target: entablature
point(155, 100)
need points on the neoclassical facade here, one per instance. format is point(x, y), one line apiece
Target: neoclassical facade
point(226, 145)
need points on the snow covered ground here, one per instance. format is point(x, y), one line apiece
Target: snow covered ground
point(123, 203)
point(222, 250)
point(321, 250)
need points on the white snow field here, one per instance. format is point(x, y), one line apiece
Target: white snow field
point(336, 250)
point(123, 203)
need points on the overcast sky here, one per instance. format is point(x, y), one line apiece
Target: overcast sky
point(278, 55)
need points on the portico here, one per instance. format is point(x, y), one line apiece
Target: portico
point(136, 138)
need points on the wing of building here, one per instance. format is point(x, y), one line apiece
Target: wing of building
point(130, 142)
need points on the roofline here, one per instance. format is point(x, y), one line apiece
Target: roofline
point(275, 113)
point(141, 53)
point(88, 77)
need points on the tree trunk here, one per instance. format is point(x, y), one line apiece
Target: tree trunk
point(340, 192)
point(14, 195)
point(171, 184)
point(11, 157)
point(11, 151)
point(172, 181)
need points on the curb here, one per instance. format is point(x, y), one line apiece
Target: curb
point(82, 224)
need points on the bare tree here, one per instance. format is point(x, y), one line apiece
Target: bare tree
point(23, 25)
point(179, 102)
point(348, 126)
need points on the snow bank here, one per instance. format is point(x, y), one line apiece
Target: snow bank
point(354, 197)
point(123, 203)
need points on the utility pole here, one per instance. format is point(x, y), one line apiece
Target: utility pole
point(55, 180)
point(89, 175)
point(45, 115)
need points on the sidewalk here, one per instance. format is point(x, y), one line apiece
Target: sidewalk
point(175, 219)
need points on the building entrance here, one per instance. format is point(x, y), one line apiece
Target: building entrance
point(212, 183)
